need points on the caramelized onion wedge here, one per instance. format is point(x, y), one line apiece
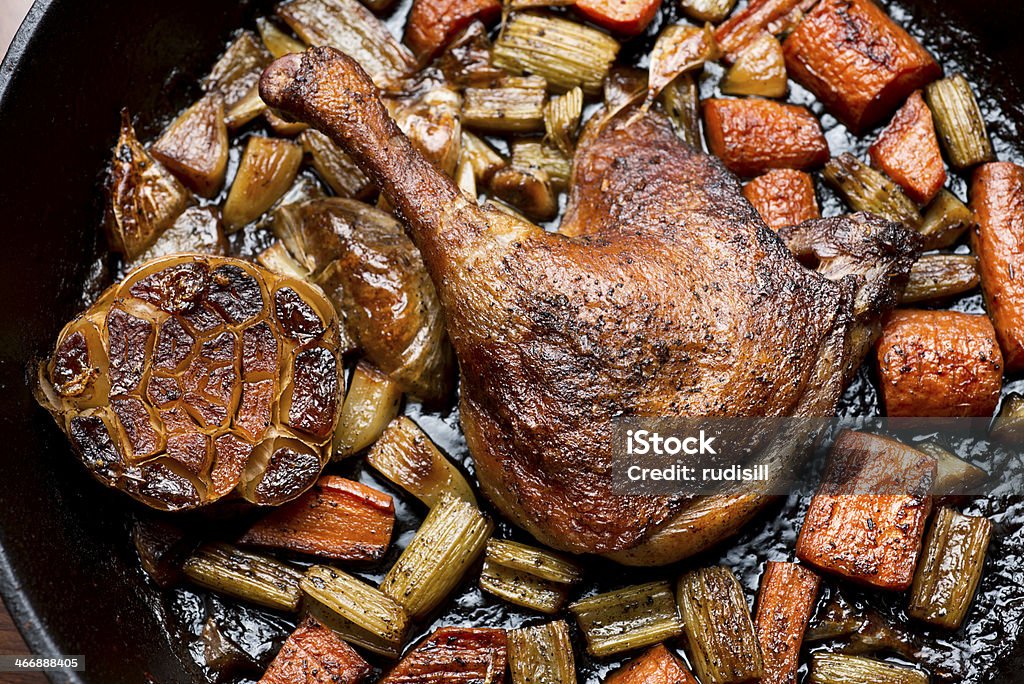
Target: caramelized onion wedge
point(195, 146)
point(143, 198)
point(375, 277)
point(238, 71)
point(268, 169)
point(196, 375)
point(372, 402)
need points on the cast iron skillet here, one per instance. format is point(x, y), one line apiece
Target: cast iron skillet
point(67, 571)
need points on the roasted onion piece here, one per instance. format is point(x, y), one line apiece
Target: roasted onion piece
point(373, 273)
point(197, 375)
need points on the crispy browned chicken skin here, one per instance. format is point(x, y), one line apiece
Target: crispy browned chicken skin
point(664, 294)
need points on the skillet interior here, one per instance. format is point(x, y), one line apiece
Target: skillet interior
point(67, 570)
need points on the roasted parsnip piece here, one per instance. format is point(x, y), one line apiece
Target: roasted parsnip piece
point(760, 69)
point(723, 644)
point(837, 668)
point(371, 404)
point(867, 519)
point(785, 603)
point(277, 42)
point(267, 170)
point(681, 100)
point(866, 189)
point(144, 198)
point(237, 73)
point(336, 168)
point(562, 118)
point(629, 618)
point(407, 457)
point(679, 49)
point(358, 612)
point(454, 655)
point(541, 654)
point(337, 519)
point(945, 220)
point(527, 576)
point(953, 475)
point(1010, 421)
point(527, 189)
point(564, 53)
point(505, 109)
point(713, 11)
point(450, 539)
point(936, 276)
point(314, 654)
point(195, 146)
point(246, 576)
point(950, 568)
point(656, 666)
point(959, 122)
point(349, 26)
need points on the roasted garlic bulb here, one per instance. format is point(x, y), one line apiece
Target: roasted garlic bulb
point(198, 375)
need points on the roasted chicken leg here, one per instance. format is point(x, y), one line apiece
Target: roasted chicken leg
point(664, 294)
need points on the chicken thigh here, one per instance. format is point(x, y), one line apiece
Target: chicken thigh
point(664, 294)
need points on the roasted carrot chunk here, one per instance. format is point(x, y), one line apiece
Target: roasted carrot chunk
point(785, 603)
point(657, 666)
point(939, 363)
point(454, 655)
point(433, 23)
point(867, 520)
point(626, 17)
point(997, 196)
point(908, 151)
point(783, 197)
point(313, 654)
point(858, 62)
point(759, 16)
point(755, 135)
point(336, 518)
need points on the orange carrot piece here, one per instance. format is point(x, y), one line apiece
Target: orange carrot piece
point(867, 520)
point(433, 23)
point(857, 61)
point(337, 518)
point(783, 197)
point(454, 655)
point(759, 16)
point(313, 654)
point(785, 603)
point(939, 363)
point(908, 151)
point(626, 17)
point(657, 666)
point(997, 196)
point(754, 135)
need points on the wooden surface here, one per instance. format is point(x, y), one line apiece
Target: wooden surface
point(11, 643)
